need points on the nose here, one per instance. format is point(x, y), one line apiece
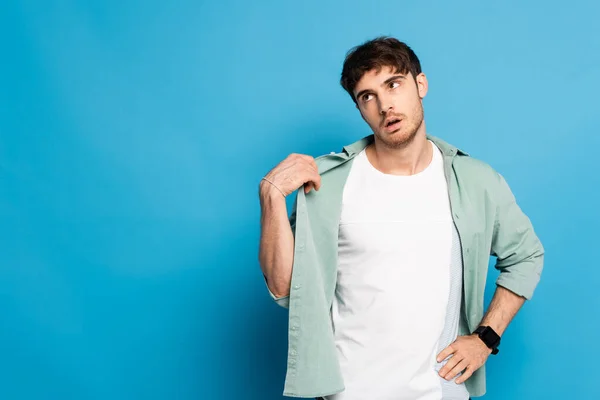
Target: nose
point(385, 105)
point(385, 110)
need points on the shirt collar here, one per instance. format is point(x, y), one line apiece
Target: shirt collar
point(446, 148)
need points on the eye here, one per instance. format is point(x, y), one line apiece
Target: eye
point(394, 84)
point(366, 97)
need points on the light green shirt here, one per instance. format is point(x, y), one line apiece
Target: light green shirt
point(488, 220)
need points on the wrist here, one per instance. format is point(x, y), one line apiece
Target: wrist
point(489, 337)
point(269, 194)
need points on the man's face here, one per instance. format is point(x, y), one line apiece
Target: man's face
point(385, 97)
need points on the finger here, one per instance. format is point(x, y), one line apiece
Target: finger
point(296, 161)
point(309, 160)
point(465, 375)
point(317, 181)
point(307, 174)
point(457, 369)
point(452, 362)
point(307, 157)
point(445, 353)
point(312, 167)
point(308, 186)
point(313, 178)
point(313, 164)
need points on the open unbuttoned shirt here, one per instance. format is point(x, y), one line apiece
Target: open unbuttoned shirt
point(488, 220)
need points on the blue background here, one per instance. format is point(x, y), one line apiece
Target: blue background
point(133, 138)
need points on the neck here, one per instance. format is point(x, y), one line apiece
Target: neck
point(409, 159)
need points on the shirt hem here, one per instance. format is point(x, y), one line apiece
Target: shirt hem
point(317, 394)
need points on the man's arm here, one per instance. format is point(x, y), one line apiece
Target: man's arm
point(519, 252)
point(502, 309)
point(469, 352)
point(520, 257)
point(276, 249)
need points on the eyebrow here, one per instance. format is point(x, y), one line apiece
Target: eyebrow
point(388, 80)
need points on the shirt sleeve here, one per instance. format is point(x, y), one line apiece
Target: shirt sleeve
point(519, 252)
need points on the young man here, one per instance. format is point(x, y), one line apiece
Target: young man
point(383, 261)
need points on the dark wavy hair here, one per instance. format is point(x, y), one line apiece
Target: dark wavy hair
point(383, 51)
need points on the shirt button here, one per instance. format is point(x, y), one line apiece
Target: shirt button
point(294, 353)
point(297, 287)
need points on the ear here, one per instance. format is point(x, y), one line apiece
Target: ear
point(422, 85)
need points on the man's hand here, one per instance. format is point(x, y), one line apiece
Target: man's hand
point(293, 172)
point(469, 353)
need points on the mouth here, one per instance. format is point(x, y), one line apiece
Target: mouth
point(392, 124)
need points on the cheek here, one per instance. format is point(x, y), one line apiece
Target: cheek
point(370, 115)
point(406, 102)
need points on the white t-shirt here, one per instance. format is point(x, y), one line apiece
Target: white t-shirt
point(399, 284)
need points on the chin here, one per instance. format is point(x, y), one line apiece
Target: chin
point(397, 139)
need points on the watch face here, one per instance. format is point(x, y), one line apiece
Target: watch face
point(490, 337)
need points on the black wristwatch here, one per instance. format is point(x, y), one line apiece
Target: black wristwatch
point(489, 337)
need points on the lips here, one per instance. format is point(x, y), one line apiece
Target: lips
point(392, 124)
point(391, 121)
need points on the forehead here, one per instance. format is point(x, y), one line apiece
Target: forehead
point(373, 79)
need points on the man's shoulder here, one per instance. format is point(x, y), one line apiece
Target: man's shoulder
point(473, 165)
point(325, 156)
point(476, 172)
point(326, 162)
